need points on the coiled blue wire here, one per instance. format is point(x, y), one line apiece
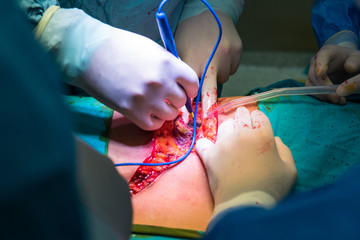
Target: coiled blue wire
point(197, 98)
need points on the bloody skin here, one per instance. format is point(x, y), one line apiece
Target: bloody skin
point(169, 143)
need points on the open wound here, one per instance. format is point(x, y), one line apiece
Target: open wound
point(169, 143)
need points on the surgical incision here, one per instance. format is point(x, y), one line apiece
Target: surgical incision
point(169, 143)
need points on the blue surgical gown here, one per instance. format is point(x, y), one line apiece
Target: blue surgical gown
point(38, 193)
point(329, 213)
point(329, 17)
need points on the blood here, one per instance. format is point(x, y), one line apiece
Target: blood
point(169, 143)
point(349, 87)
point(153, 10)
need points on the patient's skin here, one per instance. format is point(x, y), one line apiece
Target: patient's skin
point(180, 197)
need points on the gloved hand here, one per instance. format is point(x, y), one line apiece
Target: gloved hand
point(335, 64)
point(139, 78)
point(247, 165)
point(195, 38)
point(125, 71)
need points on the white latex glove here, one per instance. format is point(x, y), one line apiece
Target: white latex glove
point(247, 165)
point(335, 64)
point(139, 78)
point(195, 39)
point(127, 72)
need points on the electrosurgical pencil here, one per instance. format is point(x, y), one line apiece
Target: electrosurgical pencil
point(200, 86)
point(311, 90)
point(169, 43)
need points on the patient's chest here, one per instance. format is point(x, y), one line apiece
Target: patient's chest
point(177, 195)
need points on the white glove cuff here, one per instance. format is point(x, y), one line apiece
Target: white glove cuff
point(74, 36)
point(255, 198)
point(344, 38)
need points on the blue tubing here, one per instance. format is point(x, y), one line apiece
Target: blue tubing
point(197, 98)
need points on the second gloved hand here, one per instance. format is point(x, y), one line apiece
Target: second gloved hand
point(138, 78)
point(335, 64)
point(247, 166)
point(195, 38)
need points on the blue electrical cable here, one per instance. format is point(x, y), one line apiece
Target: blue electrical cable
point(197, 98)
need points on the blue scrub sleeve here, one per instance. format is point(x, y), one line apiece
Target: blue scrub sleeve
point(328, 213)
point(329, 17)
point(38, 191)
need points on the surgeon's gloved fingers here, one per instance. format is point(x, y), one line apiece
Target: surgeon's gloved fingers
point(310, 80)
point(224, 73)
point(349, 87)
point(156, 123)
point(260, 120)
point(148, 123)
point(287, 157)
point(333, 98)
point(224, 65)
point(188, 79)
point(242, 118)
point(220, 67)
point(225, 128)
point(313, 80)
point(327, 54)
point(321, 62)
point(165, 111)
point(352, 64)
point(143, 117)
point(284, 152)
point(203, 145)
point(235, 52)
point(236, 61)
point(176, 97)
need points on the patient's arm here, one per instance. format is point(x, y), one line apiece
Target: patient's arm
point(180, 197)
